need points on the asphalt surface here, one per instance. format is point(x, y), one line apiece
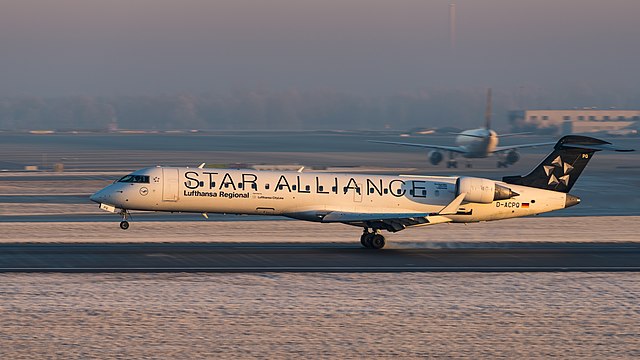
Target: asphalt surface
point(317, 257)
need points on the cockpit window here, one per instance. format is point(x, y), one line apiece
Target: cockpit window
point(141, 179)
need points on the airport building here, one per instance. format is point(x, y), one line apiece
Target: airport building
point(587, 120)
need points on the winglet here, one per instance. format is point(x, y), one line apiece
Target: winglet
point(201, 166)
point(452, 208)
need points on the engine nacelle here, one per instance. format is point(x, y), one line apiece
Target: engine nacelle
point(435, 157)
point(512, 157)
point(482, 191)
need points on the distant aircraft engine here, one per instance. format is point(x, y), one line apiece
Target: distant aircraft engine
point(482, 190)
point(435, 157)
point(512, 157)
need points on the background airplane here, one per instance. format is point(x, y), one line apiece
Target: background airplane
point(475, 143)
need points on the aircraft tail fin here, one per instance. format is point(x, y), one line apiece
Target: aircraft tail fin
point(560, 169)
point(487, 111)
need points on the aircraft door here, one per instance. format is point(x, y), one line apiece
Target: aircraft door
point(357, 195)
point(169, 184)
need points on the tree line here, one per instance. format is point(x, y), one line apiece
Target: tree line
point(285, 110)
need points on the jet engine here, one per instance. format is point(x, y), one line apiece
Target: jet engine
point(512, 157)
point(482, 191)
point(435, 157)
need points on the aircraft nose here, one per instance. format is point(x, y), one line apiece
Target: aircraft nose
point(94, 197)
point(98, 196)
point(571, 200)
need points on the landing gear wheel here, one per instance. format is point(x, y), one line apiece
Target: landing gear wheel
point(363, 239)
point(124, 224)
point(377, 241)
point(452, 164)
point(468, 165)
point(366, 239)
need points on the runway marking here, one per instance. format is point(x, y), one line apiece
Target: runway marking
point(334, 269)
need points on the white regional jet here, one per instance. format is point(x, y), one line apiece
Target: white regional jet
point(372, 202)
point(475, 143)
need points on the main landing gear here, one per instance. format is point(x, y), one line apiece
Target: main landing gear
point(124, 224)
point(372, 240)
point(452, 163)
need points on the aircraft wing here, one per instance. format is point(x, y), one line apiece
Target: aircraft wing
point(513, 134)
point(391, 221)
point(455, 149)
point(522, 146)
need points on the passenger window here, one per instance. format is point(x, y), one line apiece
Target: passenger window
point(266, 186)
point(294, 187)
point(254, 186)
point(240, 186)
point(320, 188)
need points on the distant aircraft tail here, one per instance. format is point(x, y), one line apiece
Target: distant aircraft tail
point(487, 111)
point(560, 170)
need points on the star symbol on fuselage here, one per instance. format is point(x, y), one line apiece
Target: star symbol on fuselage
point(564, 168)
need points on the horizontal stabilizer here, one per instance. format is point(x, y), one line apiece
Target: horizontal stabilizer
point(585, 142)
point(597, 147)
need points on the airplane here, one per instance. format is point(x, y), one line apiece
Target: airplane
point(371, 202)
point(475, 143)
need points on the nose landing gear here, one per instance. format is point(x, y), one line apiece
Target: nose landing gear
point(124, 224)
point(372, 240)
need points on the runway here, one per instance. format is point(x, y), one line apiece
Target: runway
point(317, 257)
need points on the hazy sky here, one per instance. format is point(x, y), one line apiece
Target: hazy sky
point(112, 47)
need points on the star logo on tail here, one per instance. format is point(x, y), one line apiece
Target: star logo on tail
point(558, 172)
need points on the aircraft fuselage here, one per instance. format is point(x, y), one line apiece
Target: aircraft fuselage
point(479, 143)
point(310, 196)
